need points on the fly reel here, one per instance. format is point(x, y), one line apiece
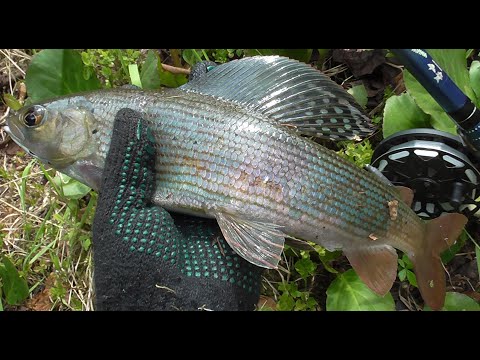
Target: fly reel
point(436, 166)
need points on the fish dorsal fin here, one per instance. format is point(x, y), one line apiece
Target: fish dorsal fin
point(257, 242)
point(293, 93)
point(376, 266)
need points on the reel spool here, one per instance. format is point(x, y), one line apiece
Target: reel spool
point(436, 166)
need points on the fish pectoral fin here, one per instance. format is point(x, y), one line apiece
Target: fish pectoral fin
point(258, 242)
point(376, 266)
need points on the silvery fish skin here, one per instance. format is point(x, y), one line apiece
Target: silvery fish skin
point(247, 166)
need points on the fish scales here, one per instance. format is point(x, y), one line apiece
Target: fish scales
point(306, 182)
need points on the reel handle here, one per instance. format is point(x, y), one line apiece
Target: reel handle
point(439, 85)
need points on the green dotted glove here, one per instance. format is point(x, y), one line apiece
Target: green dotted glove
point(148, 259)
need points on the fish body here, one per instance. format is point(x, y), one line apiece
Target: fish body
point(227, 150)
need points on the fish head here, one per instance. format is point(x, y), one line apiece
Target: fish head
point(59, 133)
point(57, 137)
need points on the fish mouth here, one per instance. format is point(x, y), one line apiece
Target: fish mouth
point(14, 132)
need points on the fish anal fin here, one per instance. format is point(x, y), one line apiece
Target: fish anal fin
point(376, 266)
point(406, 194)
point(440, 234)
point(258, 242)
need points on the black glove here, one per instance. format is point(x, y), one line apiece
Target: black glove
point(148, 259)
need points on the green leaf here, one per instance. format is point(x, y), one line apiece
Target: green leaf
point(11, 102)
point(412, 279)
point(305, 267)
point(457, 302)
point(475, 79)
point(149, 75)
point(72, 189)
point(408, 263)
point(401, 113)
point(402, 274)
point(134, 75)
point(302, 55)
point(15, 288)
point(285, 302)
point(359, 93)
point(348, 292)
point(56, 72)
point(454, 63)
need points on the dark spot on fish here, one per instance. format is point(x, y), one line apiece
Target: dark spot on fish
point(92, 110)
point(174, 138)
point(94, 131)
point(195, 142)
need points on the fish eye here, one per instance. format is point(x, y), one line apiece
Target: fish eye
point(34, 115)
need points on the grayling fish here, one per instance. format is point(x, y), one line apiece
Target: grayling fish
point(229, 147)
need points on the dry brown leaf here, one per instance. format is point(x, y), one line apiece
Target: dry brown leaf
point(266, 302)
point(41, 300)
point(393, 207)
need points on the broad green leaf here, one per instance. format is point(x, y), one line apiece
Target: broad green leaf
point(454, 63)
point(305, 267)
point(359, 93)
point(56, 72)
point(149, 75)
point(72, 189)
point(134, 75)
point(402, 274)
point(302, 55)
point(457, 302)
point(401, 113)
point(475, 79)
point(11, 102)
point(348, 292)
point(15, 288)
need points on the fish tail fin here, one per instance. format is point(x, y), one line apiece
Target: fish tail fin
point(440, 233)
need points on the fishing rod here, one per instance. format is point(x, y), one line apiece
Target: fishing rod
point(441, 87)
point(442, 169)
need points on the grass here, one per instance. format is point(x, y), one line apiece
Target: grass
point(46, 237)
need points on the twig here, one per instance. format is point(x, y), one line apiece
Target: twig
point(175, 70)
point(13, 62)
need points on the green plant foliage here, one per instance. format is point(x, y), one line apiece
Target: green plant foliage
point(454, 63)
point(348, 292)
point(475, 79)
point(110, 65)
point(149, 71)
point(56, 72)
point(402, 113)
point(14, 287)
point(358, 153)
point(457, 302)
point(11, 102)
point(405, 270)
point(293, 299)
point(359, 93)
point(305, 267)
point(70, 188)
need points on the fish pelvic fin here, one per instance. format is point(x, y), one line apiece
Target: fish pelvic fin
point(258, 242)
point(440, 234)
